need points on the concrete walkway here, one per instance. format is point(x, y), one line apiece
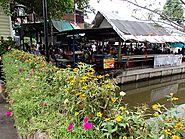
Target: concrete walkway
point(7, 129)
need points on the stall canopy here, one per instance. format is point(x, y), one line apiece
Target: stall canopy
point(180, 45)
point(62, 25)
point(136, 30)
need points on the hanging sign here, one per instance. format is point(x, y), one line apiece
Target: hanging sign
point(108, 63)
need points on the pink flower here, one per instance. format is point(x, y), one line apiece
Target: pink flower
point(70, 127)
point(33, 70)
point(27, 79)
point(86, 120)
point(30, 74)
point(88, 126)
point(8, 113)
point(20, 69)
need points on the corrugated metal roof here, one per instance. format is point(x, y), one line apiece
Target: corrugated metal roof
point(139, 28)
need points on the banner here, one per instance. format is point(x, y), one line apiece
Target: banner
point(108, 63)
point(167, 60)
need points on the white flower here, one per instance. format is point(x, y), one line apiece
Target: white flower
point(122, 93)
point(66, 101)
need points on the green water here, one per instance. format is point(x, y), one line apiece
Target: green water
point(154, 91)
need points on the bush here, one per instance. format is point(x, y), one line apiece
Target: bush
point(76, 103)
point(6, 45)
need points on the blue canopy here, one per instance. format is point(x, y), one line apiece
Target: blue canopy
point(174, 45)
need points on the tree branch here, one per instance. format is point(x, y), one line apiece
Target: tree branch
point(158, 13)
point(183, 2)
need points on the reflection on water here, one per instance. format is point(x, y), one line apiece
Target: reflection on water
point(154, 91)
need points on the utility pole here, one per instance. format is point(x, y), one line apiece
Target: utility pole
point(74, 12)
point(45, 15)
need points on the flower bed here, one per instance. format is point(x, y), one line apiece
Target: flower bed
point(74, 103)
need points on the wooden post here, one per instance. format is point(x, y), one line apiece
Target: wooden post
point(119, 51)
point(37, 37)
point(74, 50)
point(31, 39)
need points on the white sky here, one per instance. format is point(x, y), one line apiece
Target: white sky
point(124, 9)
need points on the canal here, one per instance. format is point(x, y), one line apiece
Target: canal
point(154, 91)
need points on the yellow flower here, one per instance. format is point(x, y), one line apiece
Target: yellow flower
point(107, 119)
point(168, 131)
point(93, 87)
point(72, 91)
point(85, 87)
point(124, 137)
point(183, 108)
point(100, 76)
point(92, 72)
point(156, 106)
point(76, 113)
point(96, 79)
point(80, 66)
point(174, 99)
point(175, 137)
point(113, 99)
point(71, 83)
point(83, 96)
point(122, 108)
point(107, 75)
point(68, 66)
point(99, 114)
point(91, 69)
point(118, 118)
point(155, 114)
point(75, 69)
point(107, 86)
point(82, 81)
point(106, 81)
point(80, 63)
point(84, 77)
point(78, 94)
point(179, 125)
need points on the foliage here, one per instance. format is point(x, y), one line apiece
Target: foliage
point(6, 45)
point(173, 9)
point(56, 8)
point(77, 103)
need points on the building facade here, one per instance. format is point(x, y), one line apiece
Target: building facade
point(5, 25)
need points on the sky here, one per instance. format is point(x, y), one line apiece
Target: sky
point(124, 9)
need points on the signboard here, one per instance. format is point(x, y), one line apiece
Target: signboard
point(108, 63)
point(167, 60)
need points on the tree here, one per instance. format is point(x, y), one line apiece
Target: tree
point(56, 8)
point(173, 9)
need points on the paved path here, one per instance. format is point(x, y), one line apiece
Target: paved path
point(7, 129)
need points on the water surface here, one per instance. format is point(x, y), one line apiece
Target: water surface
point(155, 90)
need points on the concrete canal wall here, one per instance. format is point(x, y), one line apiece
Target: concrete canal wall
point(135, 75)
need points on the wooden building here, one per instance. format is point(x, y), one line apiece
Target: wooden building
point(5, 25)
